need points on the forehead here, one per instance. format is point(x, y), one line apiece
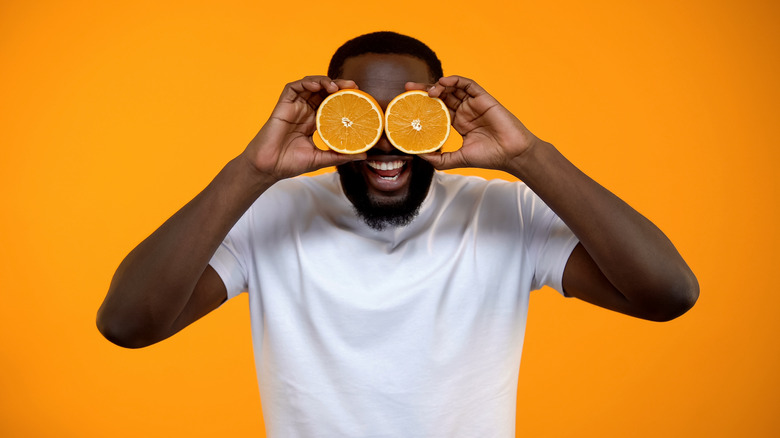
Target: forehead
point(383, 75)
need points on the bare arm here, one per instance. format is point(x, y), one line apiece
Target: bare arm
point(165, 283)
point(623, 261)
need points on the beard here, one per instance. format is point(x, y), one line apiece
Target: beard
point(378, 213)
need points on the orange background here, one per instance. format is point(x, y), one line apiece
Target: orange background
point(114, 114)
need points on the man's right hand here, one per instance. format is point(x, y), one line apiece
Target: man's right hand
point(284, 148)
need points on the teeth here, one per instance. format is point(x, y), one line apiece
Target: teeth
point(389, 178)
point(382, 165)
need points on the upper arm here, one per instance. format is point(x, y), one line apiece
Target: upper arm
point(583, 279)
point(120, 321)
point(209, 293)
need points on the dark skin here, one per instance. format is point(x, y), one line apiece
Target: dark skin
point(623, 262)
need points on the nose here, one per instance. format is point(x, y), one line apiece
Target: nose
point(383, 146)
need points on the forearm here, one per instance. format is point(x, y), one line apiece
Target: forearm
point(156, 280)
point(631, 252)
point(624, 263)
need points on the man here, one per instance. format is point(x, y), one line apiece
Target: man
point(389, 299)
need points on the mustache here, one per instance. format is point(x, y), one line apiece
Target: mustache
point(396, 152)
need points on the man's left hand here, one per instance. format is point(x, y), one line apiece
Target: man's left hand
point(493, 138)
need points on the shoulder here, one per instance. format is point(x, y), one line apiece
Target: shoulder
point(494, 199)
point(317, 184)
point(491, 202)
point(295, 199)
point(301, 191)
point(465, 188)
point(472, 184)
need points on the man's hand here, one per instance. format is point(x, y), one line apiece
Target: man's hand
point(493, 138)
point(284, 148)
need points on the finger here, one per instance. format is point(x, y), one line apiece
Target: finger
point(446, 160)
point(409, 86)
point(459, 94)
point(316, 84)
point(452, 101)
point(328, 87)
point(449, 84)
point(315, 99)
point(345, 83)
point(453, 97)
point(304, 88)
point(314, 89)
point(331, 158)
point(444, 85)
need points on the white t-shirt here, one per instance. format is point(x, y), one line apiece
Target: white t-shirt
point(414, 331)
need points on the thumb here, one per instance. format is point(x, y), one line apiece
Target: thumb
point(331, 158)
point(445, 160)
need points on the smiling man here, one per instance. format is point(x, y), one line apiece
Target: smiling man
point(389, 187)
point(389, 299)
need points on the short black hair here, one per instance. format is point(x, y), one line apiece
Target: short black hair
point(384, 43)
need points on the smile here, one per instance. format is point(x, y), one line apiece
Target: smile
point(387, 170)
point(385, 165)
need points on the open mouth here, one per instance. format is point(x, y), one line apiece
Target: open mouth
point(387, 170)
point(387, 174)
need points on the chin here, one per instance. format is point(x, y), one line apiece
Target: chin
point(380, 209)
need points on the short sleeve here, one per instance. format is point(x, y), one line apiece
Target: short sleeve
point(549, 241)
point(230, 261)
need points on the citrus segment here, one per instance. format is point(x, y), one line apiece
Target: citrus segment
point(416, 123)
point(350, 121)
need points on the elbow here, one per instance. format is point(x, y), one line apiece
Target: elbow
point(120, 332)
point(676, 300)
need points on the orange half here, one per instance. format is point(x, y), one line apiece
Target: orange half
point(416, 123)
point(350, 121)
